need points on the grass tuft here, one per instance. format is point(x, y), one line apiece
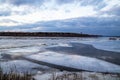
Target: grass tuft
point(14, 76)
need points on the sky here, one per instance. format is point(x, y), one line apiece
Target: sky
point(87, 16)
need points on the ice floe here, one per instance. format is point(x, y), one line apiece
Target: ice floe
point(76, 61)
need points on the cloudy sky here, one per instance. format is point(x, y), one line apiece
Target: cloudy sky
point(87, 16)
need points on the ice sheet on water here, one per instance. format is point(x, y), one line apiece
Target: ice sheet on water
point(100, 43)
point(75, 61)
point(64, 44)
point(22, 51)
point(25, 50)
point(20, 66)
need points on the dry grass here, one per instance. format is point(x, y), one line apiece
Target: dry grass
point(85, 76)
point(14, 76)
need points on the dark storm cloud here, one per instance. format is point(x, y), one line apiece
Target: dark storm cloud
point(91, 25)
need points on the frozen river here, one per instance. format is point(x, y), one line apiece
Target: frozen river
point(55, 51)
point(31, 42)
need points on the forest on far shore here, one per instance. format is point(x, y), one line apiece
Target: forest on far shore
point(46, 34)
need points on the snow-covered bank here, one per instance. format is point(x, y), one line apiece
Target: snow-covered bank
point(76, 76)
point(76, 61)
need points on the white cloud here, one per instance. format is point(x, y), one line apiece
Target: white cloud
point(9, 24)
point(35, 14)
point(111, 4)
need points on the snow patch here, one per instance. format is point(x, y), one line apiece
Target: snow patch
point(64, 45)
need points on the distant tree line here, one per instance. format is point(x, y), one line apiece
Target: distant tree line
point(46, 34)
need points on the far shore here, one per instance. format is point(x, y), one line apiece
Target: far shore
point(46, 34)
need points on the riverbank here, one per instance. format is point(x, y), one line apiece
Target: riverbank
point(46, 34)
point(76, 76)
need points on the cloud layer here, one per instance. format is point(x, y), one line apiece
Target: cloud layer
point(93, 16)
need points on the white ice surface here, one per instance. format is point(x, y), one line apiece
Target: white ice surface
point(20, 66)
point(75, 61)
point(23, 51)
point(64, 45)
point(25, 46)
